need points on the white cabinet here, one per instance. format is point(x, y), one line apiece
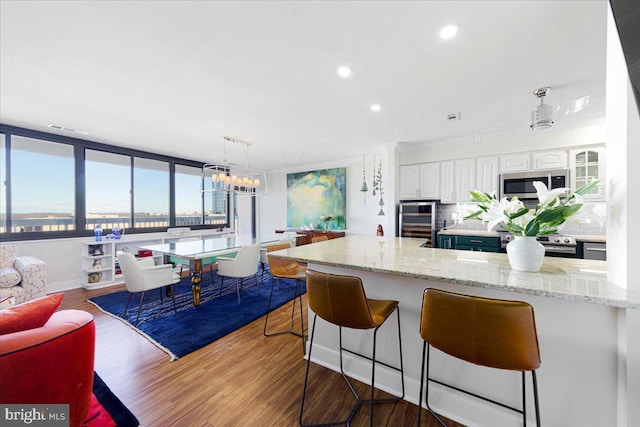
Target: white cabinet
point(522, 162)
point(487, 174)
point(550, 160)
point(409, 181)
point(420, 181)
point(447, 189)
point(518, 162)
point(465, 179)
point(430, 181)
point(586, 165)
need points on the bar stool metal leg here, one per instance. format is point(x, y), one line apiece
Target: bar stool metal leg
point(298, 296)
point(359, 400)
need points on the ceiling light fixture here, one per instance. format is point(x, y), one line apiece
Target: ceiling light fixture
point(344, 71)
point(542, 115)
point(231, 179)
point(376, 107)
point(448, 32)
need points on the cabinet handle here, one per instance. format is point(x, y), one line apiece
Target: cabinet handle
point(475, 241)
point(595, 249)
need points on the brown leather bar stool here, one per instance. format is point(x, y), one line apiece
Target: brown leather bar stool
point(286, 269)
point(487, 332)
point(341, 300)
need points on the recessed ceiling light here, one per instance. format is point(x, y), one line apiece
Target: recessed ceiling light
point(448, 32)
point(344, 71)
point(376, 107)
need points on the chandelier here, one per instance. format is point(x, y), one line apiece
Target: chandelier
point(232, 179)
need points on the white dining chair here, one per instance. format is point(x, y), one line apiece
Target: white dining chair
point(143, 275)
point(245, 264)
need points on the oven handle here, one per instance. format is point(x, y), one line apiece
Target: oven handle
point(561, 249)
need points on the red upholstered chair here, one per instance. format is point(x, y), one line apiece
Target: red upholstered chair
point(47, 357)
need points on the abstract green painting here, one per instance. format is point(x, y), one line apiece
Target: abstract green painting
point(311, 195)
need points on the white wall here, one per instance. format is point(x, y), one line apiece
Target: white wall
point(64, 256)
point(623, 234)
point(362, 218)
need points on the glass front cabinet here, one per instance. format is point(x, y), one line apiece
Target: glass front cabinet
point(588, 164)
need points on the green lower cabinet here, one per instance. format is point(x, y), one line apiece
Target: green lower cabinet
point(476, 248)
point(446, 241)
point(469, 243)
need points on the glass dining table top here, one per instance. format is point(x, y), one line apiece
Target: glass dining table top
point(198, 249)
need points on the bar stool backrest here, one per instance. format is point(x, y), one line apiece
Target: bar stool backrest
point(339, 300)
point(488, 332)
point(281, 266)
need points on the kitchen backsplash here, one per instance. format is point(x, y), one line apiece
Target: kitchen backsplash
point(595, 211)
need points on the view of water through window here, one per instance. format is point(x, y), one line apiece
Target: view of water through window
point(120, 190)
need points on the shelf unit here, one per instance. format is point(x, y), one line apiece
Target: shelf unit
point(97, 261)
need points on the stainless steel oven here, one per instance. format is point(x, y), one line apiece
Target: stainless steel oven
point(555, 245)
point(520, 184)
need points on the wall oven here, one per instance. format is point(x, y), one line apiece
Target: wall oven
point(520, 184)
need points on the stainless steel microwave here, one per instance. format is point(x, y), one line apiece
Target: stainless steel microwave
point(520, 184)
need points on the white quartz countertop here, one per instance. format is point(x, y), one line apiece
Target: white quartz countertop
point(565, 278)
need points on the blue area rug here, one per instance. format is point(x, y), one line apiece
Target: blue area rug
point(190, 328)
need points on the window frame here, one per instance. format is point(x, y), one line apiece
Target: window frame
point(79, 147)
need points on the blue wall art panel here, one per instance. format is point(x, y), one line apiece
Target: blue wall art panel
point(312, 195)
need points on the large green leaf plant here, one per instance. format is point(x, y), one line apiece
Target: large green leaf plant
point(548, 217)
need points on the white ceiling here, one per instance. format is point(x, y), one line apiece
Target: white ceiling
point(172, 77)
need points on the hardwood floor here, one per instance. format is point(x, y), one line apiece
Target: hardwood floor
point(243, 379)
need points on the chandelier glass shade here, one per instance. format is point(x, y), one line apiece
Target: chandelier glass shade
point(233, 179)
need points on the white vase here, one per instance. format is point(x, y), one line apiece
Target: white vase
point(525, 253)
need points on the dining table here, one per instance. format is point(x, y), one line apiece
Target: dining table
point(199, 253)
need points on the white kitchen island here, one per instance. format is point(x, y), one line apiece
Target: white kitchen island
point(580, 318)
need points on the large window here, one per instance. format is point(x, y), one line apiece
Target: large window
point(188, 196)
point(42, 186)
point(56, 186)
point(3, 184)
point(215, 204)
point(150, 193)
point(107, 190)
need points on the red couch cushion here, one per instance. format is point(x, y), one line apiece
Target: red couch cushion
point(29, 315)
